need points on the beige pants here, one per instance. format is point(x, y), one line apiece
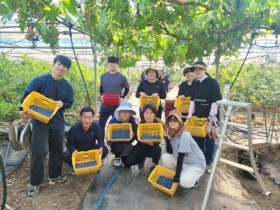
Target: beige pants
point(189, 174)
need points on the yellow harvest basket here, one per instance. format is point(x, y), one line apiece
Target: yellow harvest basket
point(86, 157)
point(149, 100)
point(197, 126)
point(161, 171)
point(182, 104)
point(150, 129)
point(118, 127)
point(39, 100)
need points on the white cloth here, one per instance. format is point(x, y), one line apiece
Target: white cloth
point(189, 174)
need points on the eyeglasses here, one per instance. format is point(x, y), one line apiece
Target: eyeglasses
point(174, 119)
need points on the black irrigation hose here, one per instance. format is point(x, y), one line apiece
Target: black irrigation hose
point(251, 44)
point(70, 34)
point(4, 184)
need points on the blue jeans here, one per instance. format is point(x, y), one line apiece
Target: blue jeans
point(42, 142)
point(207, 146)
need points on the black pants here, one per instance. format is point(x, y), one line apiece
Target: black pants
point(158, 114)
point(42, 142)
point(141, 151)
point(105, 113)
point(118, 148)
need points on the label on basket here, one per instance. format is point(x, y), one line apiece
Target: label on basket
point(121, 134)
point(85, 164)
point(42, 111)
point(149, 137)
point(165, 182)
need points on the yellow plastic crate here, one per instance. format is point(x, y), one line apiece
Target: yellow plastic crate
point(150, 129)
point(149, 100)
point(197, 126)
point(182, 104)
point(83, 157)
point(161, 171)
point(37, 99)
point(118, 126)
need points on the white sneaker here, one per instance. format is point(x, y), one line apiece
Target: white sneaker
point(117, 162)
point(135, 169)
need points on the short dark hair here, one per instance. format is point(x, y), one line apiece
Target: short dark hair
point(87, 109)
point(187, 70)
point(113, 59)
point(150, 106)
point(63, 60)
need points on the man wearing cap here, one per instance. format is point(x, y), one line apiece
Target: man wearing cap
point(203, 103)
point(123, 114)
point(151, 87)
point(113, 83)
point(49, 137)
point(83, 136)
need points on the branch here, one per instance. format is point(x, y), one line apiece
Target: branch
point(163, 27)
point(190, 3)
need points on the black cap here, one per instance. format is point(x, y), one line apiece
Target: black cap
point(63, 60)
point(113, 59)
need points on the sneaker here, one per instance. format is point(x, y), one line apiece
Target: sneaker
point(59, 179)
point(142, 164)
point(208, 169)
point(196, 184)
point(117, 162)
point(32, 190)
point(135, 169)
point(72, 172)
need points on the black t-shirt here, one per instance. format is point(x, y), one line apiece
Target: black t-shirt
point(150, 88)
point(186, 89)
point(204, 94)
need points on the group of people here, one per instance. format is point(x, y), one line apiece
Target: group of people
point(185, 154)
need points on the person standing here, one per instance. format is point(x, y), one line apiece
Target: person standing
point(83, 136)
point(206, 93)
point(186, 87)
point(183, 154)
point(151, 87)
point(112, 82)
point(49, 137)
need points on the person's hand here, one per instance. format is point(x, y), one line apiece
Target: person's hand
point(121, 99)
point(102, 100)
point(59, 103)
point(100, 151)
point(75, 150)
point(25, 114)
point(155, 94)
point(131, 135)
point(148, 142)
point(181, 96)
point(106, 136)
point(189, 116)
point(137, 120)
point(143, 94)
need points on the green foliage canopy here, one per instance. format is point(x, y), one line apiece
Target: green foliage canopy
point(176, 30)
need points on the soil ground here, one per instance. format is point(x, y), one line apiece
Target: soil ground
point(69, 195)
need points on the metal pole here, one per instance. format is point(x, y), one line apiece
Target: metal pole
point(95, 77)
